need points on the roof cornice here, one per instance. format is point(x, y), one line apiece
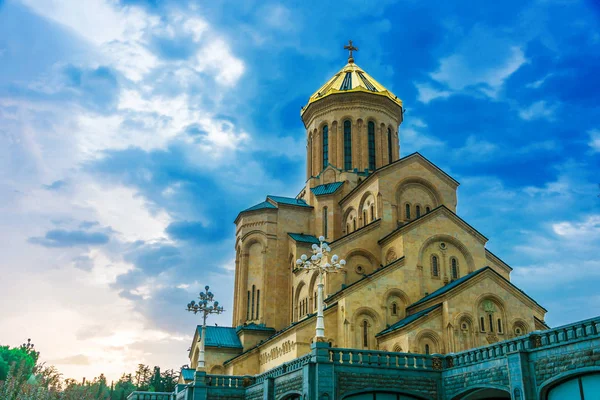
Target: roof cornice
point(426, 217)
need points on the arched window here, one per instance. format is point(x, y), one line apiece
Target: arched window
point(389, 145)
point(482, 324)
point(257, 303)
point(454, 267)
point(372, 212)
point(491, 322)
point(418, 211)
point(325, 221)
point(365, 217)
point(499, 325)
point(353, 224)
point(427, 209)
point(426, 349)
point(347, 145)
point(347, 228)
point(394, 309)
point(253, 294)
point(365, 326)
point(371, 141)
point(325, 146)
point(407, 210)
point(435, 271)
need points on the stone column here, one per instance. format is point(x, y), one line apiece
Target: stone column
point(521, 382)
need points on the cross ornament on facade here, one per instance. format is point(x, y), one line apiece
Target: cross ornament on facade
point(350, 48)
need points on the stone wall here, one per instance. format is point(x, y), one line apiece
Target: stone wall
point(554, 364)
point(492, 373)
point(418, 383)
point(288, 383)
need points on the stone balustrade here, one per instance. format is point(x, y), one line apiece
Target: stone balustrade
point(372, 358)
point(229, 381)
point(151, 396)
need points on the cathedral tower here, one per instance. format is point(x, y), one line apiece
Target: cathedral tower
point(351, 123)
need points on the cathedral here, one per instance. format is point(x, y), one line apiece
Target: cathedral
point(417, 279)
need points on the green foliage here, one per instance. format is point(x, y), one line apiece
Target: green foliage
point(22, 378)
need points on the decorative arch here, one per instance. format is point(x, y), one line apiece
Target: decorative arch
point(491, 314)
point(449, 239)
point(365, 253)
point(373, 393)
point(428, 337)
point(349, 219)
point(465, 331)
point(402, 301)
point(367, 199)
point(312, 289)
point(292, 395)
point(360, 316)
point(298, 312)
point(397, 348)
point(217, 370)
point(472, 389)
point(563, 377)
point(517, 325)
point(252, 237)
point(413, 181)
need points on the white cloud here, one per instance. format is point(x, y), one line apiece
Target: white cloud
point(537, 84)
point(594, 142)
point(483, 60)
point(428, 93)
point(586, 230)
point(538, 110)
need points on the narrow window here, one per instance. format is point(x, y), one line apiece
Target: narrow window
point(253, 293)
point(372, 212)
point(427, 209)
point(365, 333)
point(371, 140)
point(354, 224)
point(315, 301)
point(347, 228)
point(434, 266)
point(325, 221)
point(257, 303)
point(491, 323)
point(394, 309)
point(248, 307)
point(347, 145)
point(426, 349)
point(364, 217)
point(418, 211)
point(482, 324)
point(499, 325)
point(390, 145)
point(325, 146)
point(407, 210)
point(454, 268)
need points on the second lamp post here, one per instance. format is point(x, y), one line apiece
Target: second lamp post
point(319, 261)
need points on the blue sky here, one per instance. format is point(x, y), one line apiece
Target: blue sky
point(132, 133)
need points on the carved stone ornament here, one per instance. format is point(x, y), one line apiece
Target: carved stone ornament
point(450, 362)
point(491, 338)
point(488, 306)
point(437, 363)
point(537, 341)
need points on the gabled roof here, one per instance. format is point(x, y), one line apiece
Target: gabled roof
point(290, 201)
point(188, 374)
point(260, 206)
point(400, 161)
point(327, 188)
point(220, 336)
point(428, 215)
point(411, 318)
point(302, 238)
point(462, 280)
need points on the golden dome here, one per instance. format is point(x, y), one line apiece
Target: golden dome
point(351, 78)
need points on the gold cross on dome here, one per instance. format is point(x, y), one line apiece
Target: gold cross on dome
point(350, 48)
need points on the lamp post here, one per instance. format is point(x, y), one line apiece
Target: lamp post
point(319, 261)
point(207, 305)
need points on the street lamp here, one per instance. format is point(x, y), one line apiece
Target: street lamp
point(319, 261)
point(205, 306)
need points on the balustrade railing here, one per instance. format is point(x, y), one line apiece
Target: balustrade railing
point(533, 341)
point(381, 359)
point(229, 381)
point(284, 368)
